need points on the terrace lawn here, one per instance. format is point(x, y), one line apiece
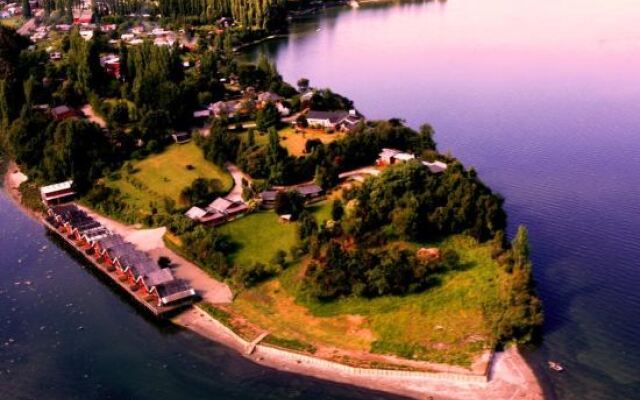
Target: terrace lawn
point(295, 142)
point(166, 175)
point(443, 324)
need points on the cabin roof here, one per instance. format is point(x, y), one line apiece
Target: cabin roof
point(220, 204)
point(56, 187)
point(195, 213)
point(309, 189)
point(332, 116)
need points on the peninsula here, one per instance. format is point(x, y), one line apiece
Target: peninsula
point(275, 219)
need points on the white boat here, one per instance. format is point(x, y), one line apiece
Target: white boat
point(354, 4)
point(555, 366)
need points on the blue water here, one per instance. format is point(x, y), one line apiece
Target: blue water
point(543, 99)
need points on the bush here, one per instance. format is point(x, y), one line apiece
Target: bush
point(256, 273)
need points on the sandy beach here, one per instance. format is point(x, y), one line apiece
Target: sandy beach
point(510, 377)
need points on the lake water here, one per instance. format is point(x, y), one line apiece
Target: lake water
point(543, 99)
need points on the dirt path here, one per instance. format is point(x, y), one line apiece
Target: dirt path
point(238, 176)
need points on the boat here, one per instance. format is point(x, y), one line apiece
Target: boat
point(354, 4)
point(555, 366)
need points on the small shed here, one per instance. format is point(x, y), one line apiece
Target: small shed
point(57, 193)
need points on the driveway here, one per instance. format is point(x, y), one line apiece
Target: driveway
point(238, 175)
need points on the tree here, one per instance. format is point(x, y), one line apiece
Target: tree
point(337, 210)
point(280, 258)
point(201, 191)
point(267, 117)
point(78, 151)
point(307, 225)
point(221, 145)
point(303, 84)
point(290, 202)
point(520, 246)
point(26, 9)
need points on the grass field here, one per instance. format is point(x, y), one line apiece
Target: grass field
point(259, 236)
point(295, 142)
point(444, 324)
point(166, 175)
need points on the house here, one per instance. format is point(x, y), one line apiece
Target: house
point(325, 119)
point(428, 254)
point(62, 112)
point(435, 167)
point(195, 213)
point(334, 120)
point(57, 193)
point(86, 34)
point(228, 109)
point(200, 114)
point(227, 207)
point(269, 97)
point(392, 156)
point(268, 198)
point(181, 137)
point(350, 122)
point(310, 192)
point(218, 212)
point(55, 56)
point(111, 65)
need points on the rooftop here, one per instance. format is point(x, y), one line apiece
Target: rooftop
point(56, 187)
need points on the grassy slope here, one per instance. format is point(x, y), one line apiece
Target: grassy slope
point(165, 175)
point(443, 324)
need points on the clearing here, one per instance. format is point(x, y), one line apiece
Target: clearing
point(445, 324)
point(145, 183)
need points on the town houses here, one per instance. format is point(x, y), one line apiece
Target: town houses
point(220, 210)
point(153, 286)
point(393, 156)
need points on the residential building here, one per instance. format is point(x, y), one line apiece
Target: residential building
point(57, 193)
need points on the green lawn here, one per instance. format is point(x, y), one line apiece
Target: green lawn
point(445, 323)
point(259, 236)
point(166, 175)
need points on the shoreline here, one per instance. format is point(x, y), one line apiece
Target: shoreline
point(509, 375)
